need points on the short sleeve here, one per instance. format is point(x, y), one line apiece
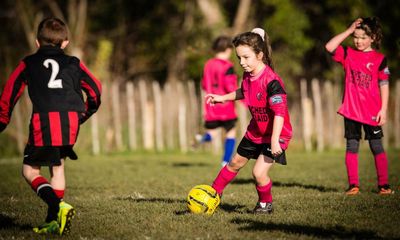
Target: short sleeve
point(384, 73)
point(339, 54)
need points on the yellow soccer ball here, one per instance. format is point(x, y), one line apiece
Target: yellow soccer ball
point(203, 199)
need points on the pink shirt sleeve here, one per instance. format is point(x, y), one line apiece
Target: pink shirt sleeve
point(339, 54)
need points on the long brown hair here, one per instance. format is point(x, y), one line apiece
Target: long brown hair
point(257, 43)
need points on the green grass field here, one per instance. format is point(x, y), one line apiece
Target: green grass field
point(142, 196)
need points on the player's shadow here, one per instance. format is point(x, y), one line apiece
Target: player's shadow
point(187, 164)
point(150, 200)
point(311, 231)
point(7, 222)
point(232, 208)
point(289, 184)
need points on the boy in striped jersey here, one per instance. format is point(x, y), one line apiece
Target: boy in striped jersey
point(55, 82)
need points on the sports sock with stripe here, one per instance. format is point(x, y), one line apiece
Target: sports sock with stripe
point(44, 190)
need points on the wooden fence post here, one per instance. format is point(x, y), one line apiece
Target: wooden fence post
point(130, 103)
point(319, 121)
point(158, 116)
point(147, 117)
point(116, 115)
point(306, 106)
point(182, 118)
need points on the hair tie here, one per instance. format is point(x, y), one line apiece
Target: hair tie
point(260, 32)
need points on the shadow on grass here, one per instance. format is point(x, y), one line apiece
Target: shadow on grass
point(318, 232)
point(237, 208)
point(151, 200)
point(186, 164)
point(7, 222)
point(290, 184)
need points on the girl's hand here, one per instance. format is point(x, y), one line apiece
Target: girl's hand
point(212, 99)
point(381, 117)
point(354, 25)
point(276, 149)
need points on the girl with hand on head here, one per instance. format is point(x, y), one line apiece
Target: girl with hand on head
point(366, 97)
point(269, 131)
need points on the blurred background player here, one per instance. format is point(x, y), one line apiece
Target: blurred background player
point(55, 82)
point(366, 96)
point(269, 131)
point(219, 78)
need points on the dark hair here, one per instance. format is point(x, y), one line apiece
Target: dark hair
point(52, 31)
point(256, 42)
point(372, 28)
point(221, 44)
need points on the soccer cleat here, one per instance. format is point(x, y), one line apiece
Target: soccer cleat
point(385, 190)
point(65, 215)
point(353, 190)
point(51, 227)
point(267, 209)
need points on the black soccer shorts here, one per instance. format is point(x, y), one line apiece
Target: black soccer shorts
point(250, 150)
point(48, 155)
point(352, 130)
point(227, 125)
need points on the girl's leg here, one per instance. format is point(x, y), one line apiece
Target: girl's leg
point(43, 189)
point(381, 162)
point(228, 173)
point(352, 146)
point(263, 182)
point(58, 179)
point(229, 146)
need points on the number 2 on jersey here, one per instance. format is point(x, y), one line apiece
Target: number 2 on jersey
point(55, 68)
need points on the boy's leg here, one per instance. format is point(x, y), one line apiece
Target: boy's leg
point(58, 179)
point(43, 189)
point(228, 173)
point(230, 141)
point(66, 211)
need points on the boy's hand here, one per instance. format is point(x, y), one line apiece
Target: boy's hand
point(212, 99)
point(381, 117)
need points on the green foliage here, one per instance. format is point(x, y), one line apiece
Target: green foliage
point(287, 25)
point(142, 196)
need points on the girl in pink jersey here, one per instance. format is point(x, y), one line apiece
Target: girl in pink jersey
point(269, 131)
point(220, 78)
point(365, 98)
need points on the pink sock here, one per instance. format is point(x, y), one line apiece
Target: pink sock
point(381, 165)
point(224, 177)
point(352, 168)
point(264, 193)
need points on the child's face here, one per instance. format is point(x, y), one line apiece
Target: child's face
point(249, 60)
point(362, 41)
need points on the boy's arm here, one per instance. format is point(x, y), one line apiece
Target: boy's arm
point(12, 91)
point(92, 88)
point(332, 44)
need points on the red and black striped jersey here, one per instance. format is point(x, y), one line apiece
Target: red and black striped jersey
point(56, 83)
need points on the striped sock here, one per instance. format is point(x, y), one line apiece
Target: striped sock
point(44, 190)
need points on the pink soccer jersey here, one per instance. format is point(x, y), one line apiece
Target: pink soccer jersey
point(364, 73)
point(219, 78)
point(266, 98)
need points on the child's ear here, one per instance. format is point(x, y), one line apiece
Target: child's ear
point(64, 44)
point(260, 56)
point(37, 43)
